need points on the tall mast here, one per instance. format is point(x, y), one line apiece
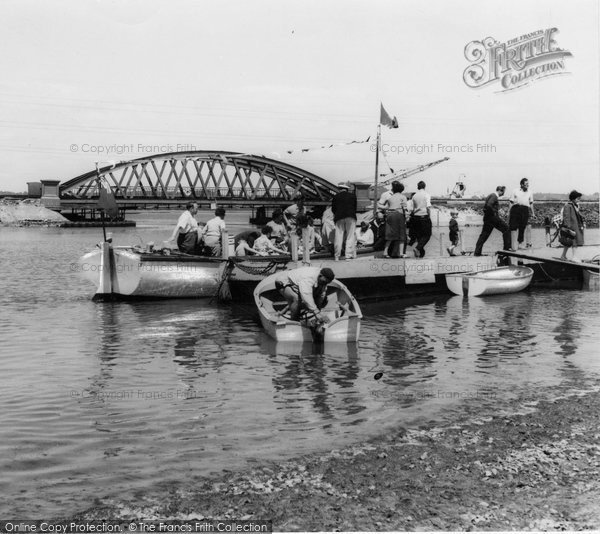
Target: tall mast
point(375, 191)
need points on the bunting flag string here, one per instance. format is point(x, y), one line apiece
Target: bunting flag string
point(297, 150)
point(332, 145)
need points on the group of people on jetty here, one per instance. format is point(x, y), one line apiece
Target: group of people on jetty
point(569, 223)
point(400, 223)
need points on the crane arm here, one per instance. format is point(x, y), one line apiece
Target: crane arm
point(405, 174)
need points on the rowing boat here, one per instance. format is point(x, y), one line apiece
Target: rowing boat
point(498, 281)
point(342, 315)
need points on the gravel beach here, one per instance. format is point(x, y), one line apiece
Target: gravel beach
point(533, 467)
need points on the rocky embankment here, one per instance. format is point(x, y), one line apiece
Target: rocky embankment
point(28, 212)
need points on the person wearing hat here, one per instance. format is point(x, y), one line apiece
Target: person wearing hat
point(343, 206)
point(571, 229)
point(453, 233)
point(305, 287)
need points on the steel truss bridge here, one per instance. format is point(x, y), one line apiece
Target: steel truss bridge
point(198, 176)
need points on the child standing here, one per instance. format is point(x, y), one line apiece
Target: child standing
point(453, 233)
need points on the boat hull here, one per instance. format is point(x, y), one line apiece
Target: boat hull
point(368, 279)
point(498, 281)
point(126, 274)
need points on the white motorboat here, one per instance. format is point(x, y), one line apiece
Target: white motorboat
point(498, 281)
point(342, 315)
point(126, 273)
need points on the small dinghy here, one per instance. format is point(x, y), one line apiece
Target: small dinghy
point(342, 314)
point(509, 279)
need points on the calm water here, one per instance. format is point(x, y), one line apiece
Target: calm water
point(105, 399)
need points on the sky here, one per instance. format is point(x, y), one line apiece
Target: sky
point(99, 80)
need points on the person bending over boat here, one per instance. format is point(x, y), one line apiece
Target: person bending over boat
point(186, 230)
point(305, 288)
point(212, 232)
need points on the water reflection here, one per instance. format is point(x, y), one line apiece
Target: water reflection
point(324, 375)
point(568, 330)
point(166, 389)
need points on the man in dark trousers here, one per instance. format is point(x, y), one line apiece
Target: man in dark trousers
point(491, 220)
point(344, 216)
point(421, 219)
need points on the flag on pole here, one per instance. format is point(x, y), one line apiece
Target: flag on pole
point(386, 120)
point(107, 202)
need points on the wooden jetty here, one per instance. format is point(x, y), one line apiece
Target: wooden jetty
point(368, 278)
point(553, 272)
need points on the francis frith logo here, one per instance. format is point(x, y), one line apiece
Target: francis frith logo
point(514, 63)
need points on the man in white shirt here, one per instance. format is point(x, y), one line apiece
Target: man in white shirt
point(521, 201)
point(328, 229)
point(306, 287)
point(385, 196)
point(421, 219)
point(186, 230)
point(212, 232)
point(279, 234)
point(292, 212)
point(364, 235)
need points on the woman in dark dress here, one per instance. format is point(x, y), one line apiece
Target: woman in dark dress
point(571, 230)
point(395, 223)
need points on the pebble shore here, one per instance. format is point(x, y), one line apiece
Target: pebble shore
point(533, 467)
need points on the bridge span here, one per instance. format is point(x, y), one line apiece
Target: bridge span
point(203, 176)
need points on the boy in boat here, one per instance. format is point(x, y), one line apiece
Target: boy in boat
point(264, 246)
point(305, 288)
point(453, 233)
point(186, 230)
point(364, 235)
point(212, 232)
point(279, 233)
point(244, 243)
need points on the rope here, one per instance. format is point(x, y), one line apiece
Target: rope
point(271, 267)
point(223, 292)
point(548, 277)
